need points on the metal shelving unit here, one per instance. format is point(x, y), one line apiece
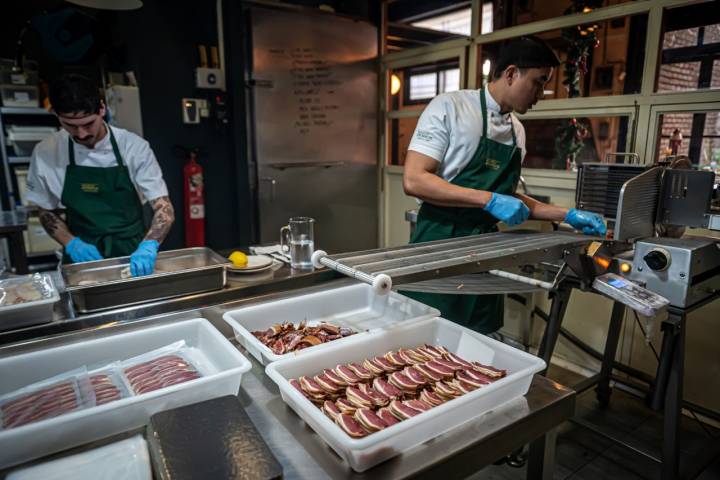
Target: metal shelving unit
point(9, 160)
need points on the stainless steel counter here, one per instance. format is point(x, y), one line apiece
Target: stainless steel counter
point(455, 454)
point(240, 288)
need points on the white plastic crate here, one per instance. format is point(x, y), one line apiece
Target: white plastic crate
point(366, 452)
point(355, 306)
point(222, 368)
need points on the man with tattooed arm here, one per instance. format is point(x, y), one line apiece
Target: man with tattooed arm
point(98, 176)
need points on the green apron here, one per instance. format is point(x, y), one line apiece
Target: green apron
point(494, 167)
point(102, 206)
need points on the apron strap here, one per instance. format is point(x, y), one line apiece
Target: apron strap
point(116, 150)
point(483, 109)
point(71, 151)
point(113, 142)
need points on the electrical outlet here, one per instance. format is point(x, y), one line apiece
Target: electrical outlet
point(209, 78)
point(193, 109)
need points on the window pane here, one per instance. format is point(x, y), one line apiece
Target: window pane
point(509, 13)
point(400, 131)
point(411, 23)
point(423, 86)
point(450, 80)
point(413, 87)
point(456, 22)
point(614, 67)
point(549, 140)
point(694, 134)
point(690, 49)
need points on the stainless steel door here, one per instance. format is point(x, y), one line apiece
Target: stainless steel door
point(315, 112)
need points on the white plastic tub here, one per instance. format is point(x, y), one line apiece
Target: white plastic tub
point(354, 306)
point(366, 452)
point(222, 368)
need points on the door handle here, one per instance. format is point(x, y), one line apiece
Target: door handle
point(273, 182)
point(283, 166)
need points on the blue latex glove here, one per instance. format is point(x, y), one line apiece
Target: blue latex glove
point(80, 251)
point(508, 209)
point(142, 261)
point(590, 223)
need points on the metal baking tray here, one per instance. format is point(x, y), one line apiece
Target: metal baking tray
point(103, 285)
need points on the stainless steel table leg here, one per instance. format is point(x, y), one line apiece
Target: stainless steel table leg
point(552, 329)
point(673, 396)
point(611, 343)
point(541, 460)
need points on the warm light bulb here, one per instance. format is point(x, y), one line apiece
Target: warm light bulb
point(394, 84)
point(486, 68)
point(587, 10)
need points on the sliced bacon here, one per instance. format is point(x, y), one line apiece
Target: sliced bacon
point(488, 370)
point(387, 416)
point(358, 398)
point(386, 389)
point(369, 420)
point(350, 426)
point(402, 411)
point(331, 410)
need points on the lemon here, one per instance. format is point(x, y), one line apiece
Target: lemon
point(238, 259)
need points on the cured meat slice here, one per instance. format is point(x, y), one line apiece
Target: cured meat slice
point(386, 364)
point(326, 384)
point(403, 382)
point(311, 386)
point(369, 420)
point(335, 378)
point(463, 387)
point(431, 398)
point(344, 372)
point(358, 398)
point(387, 416)
point(418, 405)
point(434, 351)
point(395, 359)
point(454, 358)
point(480, 377)
point(402, 411)
point(439, 368)
point(428, 373)
point(350, 426)
point(445, 390)
point(467, 378)
point(331, 410)
point(361, 372)
point(296, 384)
point(415, 375)
point(345, 406)
point(386, 389)
point(488, 370)
point(452, 365)
point(373, 367)
point(408, 357)
point(378, 398)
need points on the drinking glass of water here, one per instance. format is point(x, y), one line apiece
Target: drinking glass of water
point(298, 237)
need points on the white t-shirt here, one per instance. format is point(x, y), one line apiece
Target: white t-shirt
point(46, 177)
point(450, 128)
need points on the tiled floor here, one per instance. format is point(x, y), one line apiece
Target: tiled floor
point(584, 455)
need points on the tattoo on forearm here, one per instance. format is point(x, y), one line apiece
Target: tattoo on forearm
point(55, 226)
point(163, 219)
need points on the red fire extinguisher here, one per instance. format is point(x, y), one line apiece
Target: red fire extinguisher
point(194, 201)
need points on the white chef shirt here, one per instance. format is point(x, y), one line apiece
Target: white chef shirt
point(46, 177)
point(450, 128)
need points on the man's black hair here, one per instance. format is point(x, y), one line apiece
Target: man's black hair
point(525, 52)
point(74, 93)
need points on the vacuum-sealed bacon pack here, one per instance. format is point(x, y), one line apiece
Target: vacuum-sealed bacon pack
point(49, 398)
point(160, 368)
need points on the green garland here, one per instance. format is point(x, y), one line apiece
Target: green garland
point(570, 136)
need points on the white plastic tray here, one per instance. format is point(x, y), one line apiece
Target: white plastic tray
point(223, 367)
point(366, 452)
point(354, 306)
point(29, 313)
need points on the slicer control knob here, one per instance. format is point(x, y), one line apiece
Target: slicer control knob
point(657, 259)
